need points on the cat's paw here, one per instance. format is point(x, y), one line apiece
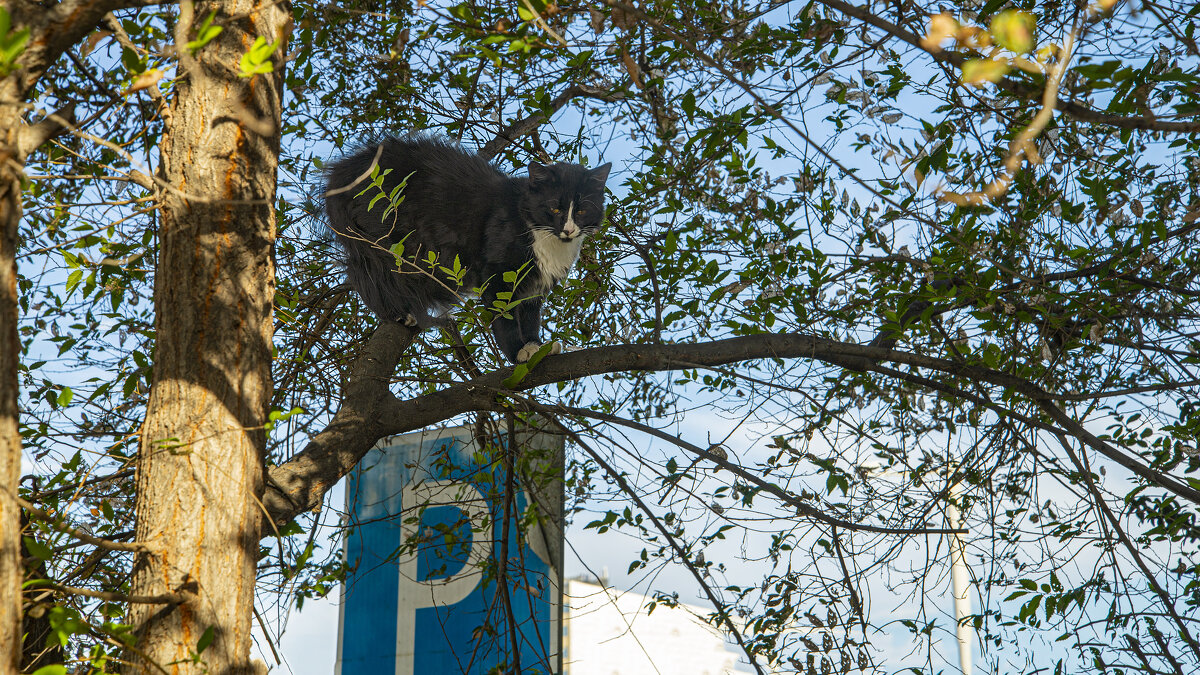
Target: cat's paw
point(411, 321)
point(532, 348)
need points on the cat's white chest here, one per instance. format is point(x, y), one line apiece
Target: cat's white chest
point(554, 257)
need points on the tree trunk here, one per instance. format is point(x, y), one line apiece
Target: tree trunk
point(200, 462)
point(10, 436)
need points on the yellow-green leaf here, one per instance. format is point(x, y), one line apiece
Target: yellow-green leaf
point(12, 43)
point(1013, 30)
point(37, 549)
point(978, 71)
point(254, 62)
point(941, 27)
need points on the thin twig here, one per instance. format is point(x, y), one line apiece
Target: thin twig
point(718, 606)
point(1021, 148)
point(109, 596)
point(60, 525)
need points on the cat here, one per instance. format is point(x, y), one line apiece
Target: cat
point(458, 206)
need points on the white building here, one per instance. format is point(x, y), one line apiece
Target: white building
point(607, 632)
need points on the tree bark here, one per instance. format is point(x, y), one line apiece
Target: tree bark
point(10, 436)
point(200, 462)
point(53, 30)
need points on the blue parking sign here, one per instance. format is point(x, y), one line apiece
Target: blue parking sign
point(423, 549)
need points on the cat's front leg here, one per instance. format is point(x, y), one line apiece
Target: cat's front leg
point(509, 332)
point(508, 336)
point(529, 319)
point(520, 337)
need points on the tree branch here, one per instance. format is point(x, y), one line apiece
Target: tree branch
point(523, 126)
point(58, 524)
point(299, 484)
point(371, 412)
point(54, 31)
point(718, 606)
point(33, 136)
point(802, 507)
point(109, 596)
point(1077, 110)
point(1168, 604)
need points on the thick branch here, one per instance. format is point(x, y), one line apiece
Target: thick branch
point(109, 596)
point(54, 31)
point(33, 136)
point(299, 484)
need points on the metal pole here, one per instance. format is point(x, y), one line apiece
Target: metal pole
point(960, 580)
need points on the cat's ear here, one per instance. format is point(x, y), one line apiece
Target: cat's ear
point(599, 174)
point(538, 174)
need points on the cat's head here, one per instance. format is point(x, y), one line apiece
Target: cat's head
point(566, 200)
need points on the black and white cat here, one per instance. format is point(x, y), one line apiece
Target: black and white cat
point(455, 203)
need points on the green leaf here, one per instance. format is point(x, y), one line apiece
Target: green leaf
point(37, 549)
point(254, 62)
point(518, 374)
point(688, 104)
point(56, 669)
point(289, 529)
point(523, 369)
point(205, 33)
point(205, 640)
point(73, 280)
point(12, 43)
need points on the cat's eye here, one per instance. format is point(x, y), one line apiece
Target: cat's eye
point(581, 211)
point(555, 211)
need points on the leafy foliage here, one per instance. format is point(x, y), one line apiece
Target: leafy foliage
point(787, 168)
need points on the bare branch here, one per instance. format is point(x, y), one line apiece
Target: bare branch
point(33, 136)
point(109, 596)
point(527, 124)
point(1115, 523)
point(718, 606)
point(802, 507)
point(58, 524)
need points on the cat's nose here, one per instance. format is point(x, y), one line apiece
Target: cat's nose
point(571, 230)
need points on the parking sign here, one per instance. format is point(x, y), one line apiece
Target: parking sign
point(424, 549)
